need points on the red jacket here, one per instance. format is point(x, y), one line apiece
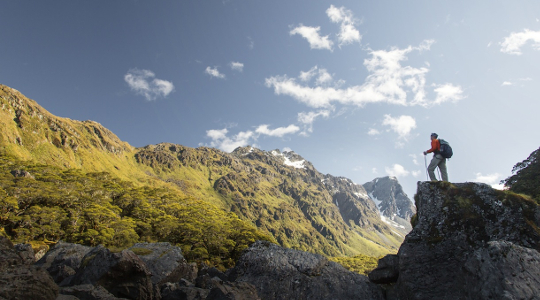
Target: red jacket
point(435, 146)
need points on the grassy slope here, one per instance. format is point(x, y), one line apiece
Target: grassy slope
point(297, 222)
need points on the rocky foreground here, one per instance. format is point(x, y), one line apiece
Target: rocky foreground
point(469, 242)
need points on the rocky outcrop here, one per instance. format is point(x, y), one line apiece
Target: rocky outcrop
point(21, 280)
point(469, 242)
point(280, 273)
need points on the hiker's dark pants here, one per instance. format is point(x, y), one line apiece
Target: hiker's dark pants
point(438, 161)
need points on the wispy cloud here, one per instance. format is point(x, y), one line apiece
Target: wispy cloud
point(214, 72)
point(397, 170)
point(388, 81)
point(519, 81)
point(492, 179)
point(311, 34)
point(143, 82)
point(373, 131)
point(402, 125)
point(237, 66)
point(447, 93)
point(251, 43)
point(278, 132)
point(512, 44)
point(348, 34)
point(308, 118)
point(221, 141)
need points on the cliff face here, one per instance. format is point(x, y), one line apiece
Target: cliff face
point(469, 241)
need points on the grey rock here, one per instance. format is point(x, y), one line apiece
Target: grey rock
point(22, 173)
point(387, 270)
point(21, 281)
point(27, 282)
point(123, 274)
point(470, 242)
point(175, 291)
point(162, 259)
point(63, 261)
point(9, 257)
point(280, 273)
point(26, 252)
point(232, 290)
point(205, 277)
point(88, 292)
point(184, 271)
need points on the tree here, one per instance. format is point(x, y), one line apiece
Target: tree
point(526, 178)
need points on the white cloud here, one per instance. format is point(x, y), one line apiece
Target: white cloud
point(286, 149)
point(491, 179)
point(308, 118)
point(142, 82)
point(306, 76)
point(448, 92)
point(519, 81)
point(348, 34)
point(373, 131)
point(401, 125)
point(397, 171)
point(214, 72)
point(374, 171)
point(278, 132)
point(251, 43)
point(311, 34)
point(221, 141)
point(388, 81)
point(416, 173)
point(324, 77)
point(237, 66)
point(512, 44)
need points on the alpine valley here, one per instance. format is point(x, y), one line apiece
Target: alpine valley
point(76, 181)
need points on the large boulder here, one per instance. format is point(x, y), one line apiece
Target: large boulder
point(165, 262)
point(122, 274)
point(470, 242)
point(20, 281)
point(280, 273)
point(63, 261)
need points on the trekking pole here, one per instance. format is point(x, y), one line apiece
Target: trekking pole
point(425, 163)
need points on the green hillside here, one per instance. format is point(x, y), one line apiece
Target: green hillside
point(296, 207)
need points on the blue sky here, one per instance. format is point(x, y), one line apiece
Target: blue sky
point(355, 87)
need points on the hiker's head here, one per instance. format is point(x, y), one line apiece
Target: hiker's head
point(434, 136)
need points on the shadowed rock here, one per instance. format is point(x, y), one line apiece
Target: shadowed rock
point(280, 273)
point(470, 242)
point(21, 281)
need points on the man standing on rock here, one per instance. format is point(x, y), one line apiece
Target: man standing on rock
point(437, 161)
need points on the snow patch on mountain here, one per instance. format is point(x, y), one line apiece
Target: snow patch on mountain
point(299, 164)
point(383, 218)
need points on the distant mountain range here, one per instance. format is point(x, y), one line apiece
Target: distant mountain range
point(281, 193)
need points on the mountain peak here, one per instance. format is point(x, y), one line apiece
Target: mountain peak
point(394, 205)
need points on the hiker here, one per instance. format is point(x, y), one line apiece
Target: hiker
point(437, 161)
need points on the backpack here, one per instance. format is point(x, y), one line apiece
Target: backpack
point(446, 150)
